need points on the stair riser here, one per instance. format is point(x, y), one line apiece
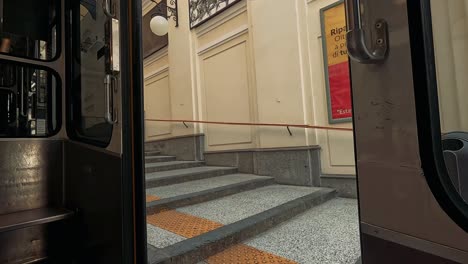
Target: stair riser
point(206, 245)
point(159, 159)
point(173, 167)
point(185, 178)
point(204, 196)
point(152, 153)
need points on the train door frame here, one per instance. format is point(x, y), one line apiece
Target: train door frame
point(131, 185)
point(132, 126)
point(132, 67)
point(406, 214)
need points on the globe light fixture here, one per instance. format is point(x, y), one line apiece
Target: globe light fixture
point(159, 23)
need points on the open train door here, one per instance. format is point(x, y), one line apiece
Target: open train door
point(409, 80)
point(103, 165)
point(71, 184)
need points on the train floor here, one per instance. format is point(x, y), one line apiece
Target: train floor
point(209, 215)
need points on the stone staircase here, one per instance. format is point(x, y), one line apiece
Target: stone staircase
point(205, 214)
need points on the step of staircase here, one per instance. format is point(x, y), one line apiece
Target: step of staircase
point(154, 159)
point(193, 192)
point(242, 216)
point(152, 153)
point(325, 234)
point(171, 165)
point(164, 178)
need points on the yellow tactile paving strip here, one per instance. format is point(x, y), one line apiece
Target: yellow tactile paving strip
point(190, 226)
point(182, 224)
point(151, 198)
point(242, 254)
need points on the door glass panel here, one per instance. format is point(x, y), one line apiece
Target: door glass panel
point(29, 28)
point(450, 31)
point(28, 102)
point(90, 67)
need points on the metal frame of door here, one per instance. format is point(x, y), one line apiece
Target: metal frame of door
point(406, 215)
point(133, 124)
point(74, 175)
point(130, 207)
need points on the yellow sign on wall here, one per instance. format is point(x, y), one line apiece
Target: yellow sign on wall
point(336, 63)
point(335, 34)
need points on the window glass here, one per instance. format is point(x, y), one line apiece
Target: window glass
point(28, 102)
point(28, 28)
point(450, 30)
point(90, 71)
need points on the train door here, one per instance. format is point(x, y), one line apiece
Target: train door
point(70, 132)
point(100, 153)
point(409, 82)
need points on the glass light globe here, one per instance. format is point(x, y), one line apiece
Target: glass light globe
point(159, 25)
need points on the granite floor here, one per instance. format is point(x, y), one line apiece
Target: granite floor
point(326, 234)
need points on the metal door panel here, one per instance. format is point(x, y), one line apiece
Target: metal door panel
point(393, 191)
point(94, 190)
point(399, 199)
point(388, 252)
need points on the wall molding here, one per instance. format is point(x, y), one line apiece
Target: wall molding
point(223, 39)
point(222, 18)
point(156, 73)
point(145, 6)
point(156, 56)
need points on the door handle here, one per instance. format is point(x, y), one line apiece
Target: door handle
point(114, 59)
point(106, 7)
point(109, 82)
point(112, 38)
point(356, 40)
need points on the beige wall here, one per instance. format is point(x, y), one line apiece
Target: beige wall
point(450, 28)
point(279, 78)
point(259, 61)
point(170, 87)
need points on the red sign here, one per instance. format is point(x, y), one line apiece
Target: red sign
point(340, 92)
